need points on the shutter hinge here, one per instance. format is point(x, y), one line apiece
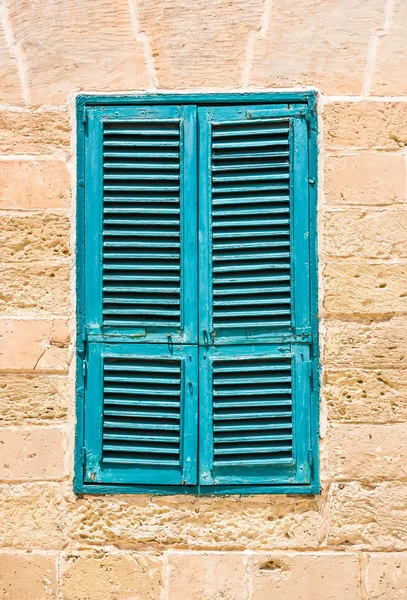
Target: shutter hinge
point(82, 350)
point(85, 120)
point(84, 368)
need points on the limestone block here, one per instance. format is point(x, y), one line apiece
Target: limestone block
point(367, 452)
point(34, 236)
point(386, 576)
point(68, 47)
point(378, 396)
point(38, 453)
point(40, 289)
point(323, 44)
point(206, 576)
point(371, 516)
point(229, 523)
point(365, 125)
point(27, 576)
point(199, 44)
point(10, 88)
point(365, 289)
point(111, 576)
point(34, 345)
point(31, 516)
point(34, 132)
point(365, 233)
point(32, 399)
point(31, 184)
point(390, 73)
point(371, 179)
point(325, 576)
point(366, 344)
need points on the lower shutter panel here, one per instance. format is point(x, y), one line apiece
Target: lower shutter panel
point(254, 400)
point(147, 417)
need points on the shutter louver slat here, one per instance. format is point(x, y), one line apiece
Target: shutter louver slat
point(148, 396)
point(256, 376)
point(135, 375)
point(248, 203)
point(253, 400)
point(149, 280)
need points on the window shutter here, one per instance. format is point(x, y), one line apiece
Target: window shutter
point(140, 222)
point(141, 295)
point(255, 296)
point(141, 419)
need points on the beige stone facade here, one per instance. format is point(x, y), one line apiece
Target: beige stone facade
point(349, 543)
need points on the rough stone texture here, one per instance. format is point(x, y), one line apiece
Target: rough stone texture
point(10, 89)
point(365, 125)
point(182, 521)
point(34, 454)
point(27, 576)
point(40, 289)
point(199, 44)
point(128, 576)
point(371, 516)
point(67, 48)
point(371, 179)
point(390, 74)
point(31, 184)
point(365, 233)
point(31, 516)
point(367, 343)
point(328, 576)
point(33, 236)
point(386, 576)
point(367, 452)
point(365, 289)
point(34, 345)
point(322, 44)
point(32, 399)
point(359, 395)
point(42, 131)
point(206, 576)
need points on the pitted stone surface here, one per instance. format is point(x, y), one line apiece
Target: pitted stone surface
point(33, 399)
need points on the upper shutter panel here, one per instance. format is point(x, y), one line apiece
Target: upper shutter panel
point(251, 193)
point(141, 417)
point(148, 212)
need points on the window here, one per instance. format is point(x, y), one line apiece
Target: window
point(197, 314)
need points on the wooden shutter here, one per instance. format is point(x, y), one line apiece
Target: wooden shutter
point(140, 218)
point(255, 397)
point(140, 296)
point(141, 417)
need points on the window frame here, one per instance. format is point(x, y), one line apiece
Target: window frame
point(85, 101)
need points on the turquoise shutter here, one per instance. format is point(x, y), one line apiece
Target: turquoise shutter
point(140, 295)
point(141, 414)
point(255, 397)
point(141, 270)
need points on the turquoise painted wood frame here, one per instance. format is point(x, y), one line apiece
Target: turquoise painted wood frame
point(306, 322)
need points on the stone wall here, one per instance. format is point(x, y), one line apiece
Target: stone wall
point(350, 542)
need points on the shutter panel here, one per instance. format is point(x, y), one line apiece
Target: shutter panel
point(141, 222)
point(255, 408)
point(254, 164)
point(254, 415)
point(141, 296)
point(142, 428)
